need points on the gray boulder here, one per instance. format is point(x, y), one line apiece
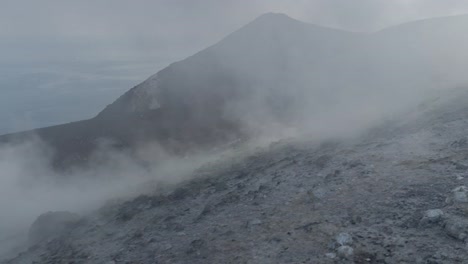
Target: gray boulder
point(460, 194)
point(345, 252)
point(432, 216)
point(457, 228)
point(344, 239)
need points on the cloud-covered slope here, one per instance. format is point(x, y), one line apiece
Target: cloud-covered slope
point(272, 74)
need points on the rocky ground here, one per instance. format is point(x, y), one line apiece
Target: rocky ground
point(395, 195)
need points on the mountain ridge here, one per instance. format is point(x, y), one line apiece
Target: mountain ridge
point(222, 92)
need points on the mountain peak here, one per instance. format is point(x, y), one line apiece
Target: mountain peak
point(273, 15)
point(281, 21)
point(274, 18)
point(278, 21)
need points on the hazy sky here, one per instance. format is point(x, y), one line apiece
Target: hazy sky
point(64, 60)
point(128, 29)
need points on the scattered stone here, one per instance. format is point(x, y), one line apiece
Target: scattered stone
point(166, 247)
point(197, 247)
point(432, 216)
point(254, 222)
point(330, 255)
point(355, 219)
point(346, 252)
point(319, 192)
point(460, 194)
point(457, 228)
point(355, 163)
point(333, 176)
point(344, 239)
point(309, 227)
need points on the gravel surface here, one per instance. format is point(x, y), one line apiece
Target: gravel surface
point(395, 195)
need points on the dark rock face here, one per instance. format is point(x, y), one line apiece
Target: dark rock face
point(51, 224)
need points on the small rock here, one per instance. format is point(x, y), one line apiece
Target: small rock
point(457, 228)
point(344, 239)
point(330, 255)
point(166, 247)
point(432, 216)
point(198, 247)
point(319, 193)
point(460, 194)
point(346, 252)
point(255, 222)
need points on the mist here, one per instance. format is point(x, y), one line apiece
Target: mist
point(335, 76)
point(280, 78)
point(57, 50)
point(29, 186)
